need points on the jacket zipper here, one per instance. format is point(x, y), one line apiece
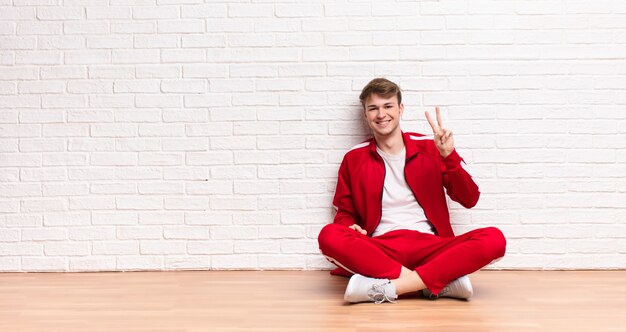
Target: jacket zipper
point(382, 190)
point(414, 195)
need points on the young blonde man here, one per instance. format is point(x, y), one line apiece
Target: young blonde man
point(392, 229)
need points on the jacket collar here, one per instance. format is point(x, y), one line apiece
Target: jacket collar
point(411, 149)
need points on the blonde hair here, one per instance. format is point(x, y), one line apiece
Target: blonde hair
point(382, 87)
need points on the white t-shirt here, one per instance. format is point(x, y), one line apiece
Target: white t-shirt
point(400, 208)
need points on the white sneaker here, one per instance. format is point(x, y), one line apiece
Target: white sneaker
point(460, 288)
point(364, 289)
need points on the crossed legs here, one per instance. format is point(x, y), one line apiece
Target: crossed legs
point(410, 259)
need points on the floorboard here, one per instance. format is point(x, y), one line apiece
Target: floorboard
point(303, 301)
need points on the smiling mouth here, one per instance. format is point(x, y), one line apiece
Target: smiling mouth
point(383, 122)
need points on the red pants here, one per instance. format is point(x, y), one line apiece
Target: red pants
point(437, 260)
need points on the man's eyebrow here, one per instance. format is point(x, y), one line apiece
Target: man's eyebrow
point(374, 105)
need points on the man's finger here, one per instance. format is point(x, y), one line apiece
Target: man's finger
point(359, 229)
point(430, 122)
point(438, 113)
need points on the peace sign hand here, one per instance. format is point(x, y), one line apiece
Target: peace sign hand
point(443, 136)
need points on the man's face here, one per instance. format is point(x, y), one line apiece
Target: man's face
point(383, 114)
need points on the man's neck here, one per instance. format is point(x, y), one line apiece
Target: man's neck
point(391, 144)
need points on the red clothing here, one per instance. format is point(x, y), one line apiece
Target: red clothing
point(437, 260)
point(358, 197)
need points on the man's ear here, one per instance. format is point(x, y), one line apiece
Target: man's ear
point(401, 109)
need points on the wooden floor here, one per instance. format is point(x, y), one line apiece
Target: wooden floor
point(304, 301)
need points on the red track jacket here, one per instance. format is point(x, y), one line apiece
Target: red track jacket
point(358, 197)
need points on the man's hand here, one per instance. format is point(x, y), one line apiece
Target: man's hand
point(358, 229)
point(443, 136)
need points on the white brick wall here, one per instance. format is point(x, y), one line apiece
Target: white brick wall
point(164, 135)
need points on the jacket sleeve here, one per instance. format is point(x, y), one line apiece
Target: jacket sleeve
point(459, 184)
point(346, 213)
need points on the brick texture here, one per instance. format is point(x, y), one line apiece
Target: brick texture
point(164, 135)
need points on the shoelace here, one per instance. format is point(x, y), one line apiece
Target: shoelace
point(377, 294)
point(445, 290)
